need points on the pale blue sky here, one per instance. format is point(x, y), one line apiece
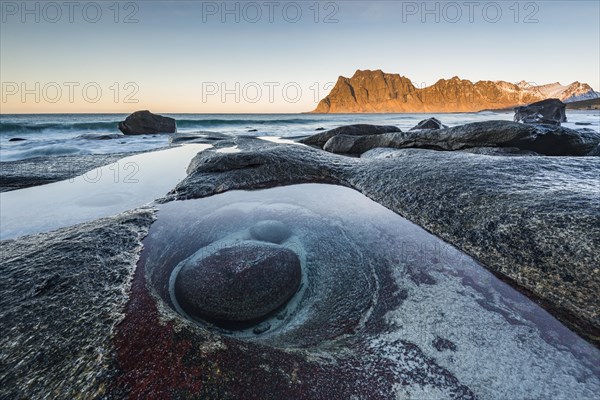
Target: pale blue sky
point(174, 54)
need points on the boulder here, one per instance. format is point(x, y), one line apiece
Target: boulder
point(16, 139)
point(549, 111)
point(144, 122)
point(429, 123)
point(543, 139)
point(241, 283)
point(595, 152)
point(320, 139)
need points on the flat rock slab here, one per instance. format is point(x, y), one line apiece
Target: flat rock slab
point(511, 213)
point(62, 294)
point(40, 171)
point(388, 310)
point(385, 309)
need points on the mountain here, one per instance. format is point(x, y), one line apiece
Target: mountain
point(375, 91)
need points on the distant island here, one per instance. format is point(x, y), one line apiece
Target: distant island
point(379, 92)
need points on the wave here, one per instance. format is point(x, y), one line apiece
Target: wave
point(45, 151)
point(63, 126)
point(28, 127)
point(192, 123)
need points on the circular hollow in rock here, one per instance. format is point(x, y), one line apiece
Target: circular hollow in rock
point(270, 231)
point(238, 284)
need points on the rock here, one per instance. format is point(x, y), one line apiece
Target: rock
point(16, 139)
point(442, 344)
point(320, 129)
point(43, 170)
point(595, 152)
point(429, 123)
point(241, 283)
point(81, 319)
point(204, 137)
point(252, 130)
point(144, 122)
point(583, 123)
point(500, 151)
point(354, 130)
point(549, 111)
point(270, 231)
point(261, 328)
point(542, 139)
point(95, 136)
point(514, 211)
point(50, 349)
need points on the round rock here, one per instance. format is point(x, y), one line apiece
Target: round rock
point(270, 231)
point(242, 283)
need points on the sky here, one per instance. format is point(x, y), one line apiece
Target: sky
point(275, 56)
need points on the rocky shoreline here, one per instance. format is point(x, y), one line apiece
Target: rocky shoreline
point(508, 212)
point(32, 172)
point(531, 219)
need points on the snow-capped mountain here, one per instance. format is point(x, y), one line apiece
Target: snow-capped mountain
point(576, 91)
point(377, 91)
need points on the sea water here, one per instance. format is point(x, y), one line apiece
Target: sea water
point(69, 134)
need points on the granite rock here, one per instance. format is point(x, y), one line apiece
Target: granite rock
point(542, 139)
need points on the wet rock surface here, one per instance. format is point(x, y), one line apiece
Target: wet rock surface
point(549, 111)
point(197, 137)
point(384, 310)
point(241, 283)
point(96, 136)
point(62, 294)
point(42, 170)
point(542, 139)
point(378, 293)
point(514, 210)
point(320, 139)
point(271, 231)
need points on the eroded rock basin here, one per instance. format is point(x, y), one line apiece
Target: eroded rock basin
point(384, 310)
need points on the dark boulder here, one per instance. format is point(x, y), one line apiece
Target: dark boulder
point(549, 111)
point(320, 129)
point(595, 152)
point(429, 123)
point(144, 122)
point(543, 139)
point(241, 283)
point(352, 130)
point(16, 139)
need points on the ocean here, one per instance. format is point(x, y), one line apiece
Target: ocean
point(73, 134)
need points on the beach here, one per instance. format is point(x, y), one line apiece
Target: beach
point(431, 257)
